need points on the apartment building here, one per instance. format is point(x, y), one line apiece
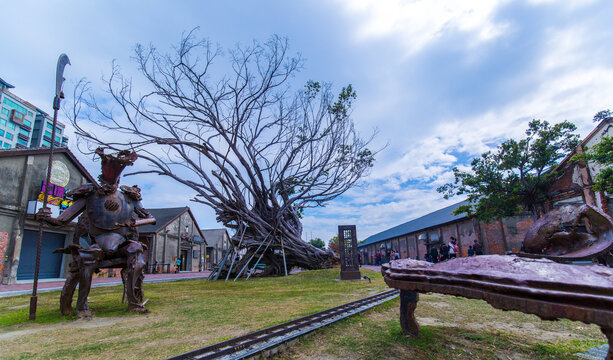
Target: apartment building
point(23, 125)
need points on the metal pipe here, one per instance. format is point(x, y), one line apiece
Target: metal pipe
point(234, 256)
point(248, 261)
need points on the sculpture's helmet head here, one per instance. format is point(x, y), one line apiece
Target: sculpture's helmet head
point(113, 165)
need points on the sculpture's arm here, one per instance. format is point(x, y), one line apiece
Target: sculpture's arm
point(65, 217)
point(145, 216)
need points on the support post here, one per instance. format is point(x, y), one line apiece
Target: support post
point(408, 303)
point(608, 332)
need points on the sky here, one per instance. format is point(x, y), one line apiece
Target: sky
point(440, 81)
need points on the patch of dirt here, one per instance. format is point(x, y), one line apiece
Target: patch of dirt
point(523, 329)
point(80, 324)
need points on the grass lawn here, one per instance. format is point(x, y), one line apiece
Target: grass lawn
point(451, 328)
point(191, 314)
point(184, 316)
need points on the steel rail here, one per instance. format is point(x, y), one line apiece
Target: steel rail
point(256, 342)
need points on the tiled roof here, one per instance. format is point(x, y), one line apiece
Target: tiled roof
point(163, 217)
point(432, 219)
point(213, 236)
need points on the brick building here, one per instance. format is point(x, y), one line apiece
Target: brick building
point(414, 238)
point(574, 186)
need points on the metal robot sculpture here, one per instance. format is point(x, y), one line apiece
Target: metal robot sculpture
point(109, 216)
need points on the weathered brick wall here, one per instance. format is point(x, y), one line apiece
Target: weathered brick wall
point(492, 234)
point(4, 243)
point(467, 235)
point(515, 229)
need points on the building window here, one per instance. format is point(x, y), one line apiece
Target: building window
point(27, 122)
point(12, 125)
point(24, 131)
point(6, 146)
point(14, 105)
point(5, 111)
point(48, 134)
point(50, 127)
point(57, 138)
point(1, 132)
point(2, 122)
point(9, 136)
point(46, 143)
point(22, 142)
point(58, 130)
point(30, 113)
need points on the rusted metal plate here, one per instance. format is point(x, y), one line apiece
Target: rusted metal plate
point(536, 286)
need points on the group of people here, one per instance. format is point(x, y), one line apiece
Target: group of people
point(451, 251)
point(389, 255)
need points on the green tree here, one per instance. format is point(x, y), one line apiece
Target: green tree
point(333, 244)
point(601, 154)
point(516, 176)
point(318, 243)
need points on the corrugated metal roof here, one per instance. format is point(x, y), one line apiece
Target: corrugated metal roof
point(432, 219)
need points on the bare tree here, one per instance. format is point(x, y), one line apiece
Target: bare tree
point(251, 148)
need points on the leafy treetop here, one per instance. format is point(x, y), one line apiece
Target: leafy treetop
point(515, 177)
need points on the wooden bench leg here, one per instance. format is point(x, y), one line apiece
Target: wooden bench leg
point(608, 332)
point(408, 303)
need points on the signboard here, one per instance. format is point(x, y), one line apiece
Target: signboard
point(60, 175)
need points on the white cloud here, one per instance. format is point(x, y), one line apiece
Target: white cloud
point(417, 23)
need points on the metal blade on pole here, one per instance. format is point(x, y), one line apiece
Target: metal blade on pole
point(59, 80)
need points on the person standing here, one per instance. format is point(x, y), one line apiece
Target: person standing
point(478, 248)
point(471, 251)
point(434, 254)
point(453, 248)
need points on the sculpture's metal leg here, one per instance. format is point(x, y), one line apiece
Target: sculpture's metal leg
point(68, 291)
point(608, 332)
point(89, 261)
point(135, 266)
point(408, 303)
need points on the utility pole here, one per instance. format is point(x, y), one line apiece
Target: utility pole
point(59, 80)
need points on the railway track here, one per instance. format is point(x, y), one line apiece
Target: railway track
point(266, 340)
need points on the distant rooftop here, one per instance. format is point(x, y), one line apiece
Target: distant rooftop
point(5, 85)
point(432, 219)
point(163, 217)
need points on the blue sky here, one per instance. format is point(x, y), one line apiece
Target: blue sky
point(442, 81)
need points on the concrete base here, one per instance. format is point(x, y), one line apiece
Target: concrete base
point(351, 275)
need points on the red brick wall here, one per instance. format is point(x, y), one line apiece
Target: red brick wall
point(468, 235)
point(4, 243)
point(492, 235)
point(515, 230)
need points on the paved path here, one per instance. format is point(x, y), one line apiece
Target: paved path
point(47, 285)
point(372, 267)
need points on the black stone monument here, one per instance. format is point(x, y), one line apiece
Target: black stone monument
point(348, 248)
